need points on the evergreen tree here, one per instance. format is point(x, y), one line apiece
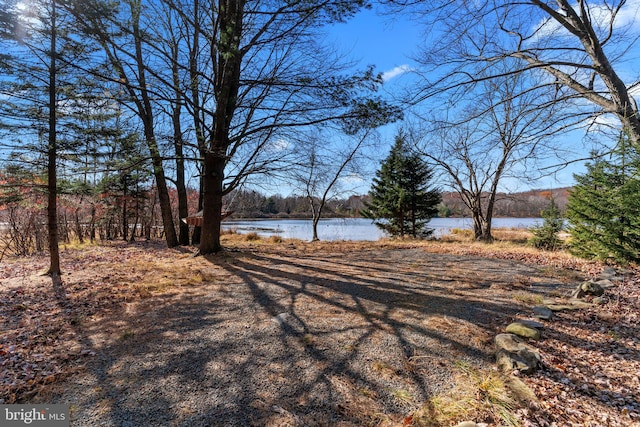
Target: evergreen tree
point(401, 201)
point(546, 236)
point(604, 207)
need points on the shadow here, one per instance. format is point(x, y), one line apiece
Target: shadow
point(278, 339)
point(58, 289)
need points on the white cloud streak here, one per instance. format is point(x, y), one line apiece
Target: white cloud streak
point(395, 72)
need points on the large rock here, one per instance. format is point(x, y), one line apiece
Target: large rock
point(604, 283)
point(513, 353)
point(542, 312)
point(531, 323)
point(522, 330)
point(592, 288)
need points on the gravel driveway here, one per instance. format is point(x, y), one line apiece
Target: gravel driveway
point(273, 337)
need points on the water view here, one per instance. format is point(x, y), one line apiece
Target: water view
point(355, 228)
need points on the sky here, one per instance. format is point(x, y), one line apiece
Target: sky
point(387, 42)
point(390, 42)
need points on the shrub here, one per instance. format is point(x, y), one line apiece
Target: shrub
point(547, 235)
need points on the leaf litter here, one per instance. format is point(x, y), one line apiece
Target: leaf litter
point(591, 357)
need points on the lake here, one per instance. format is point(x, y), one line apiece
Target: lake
point(355, 228)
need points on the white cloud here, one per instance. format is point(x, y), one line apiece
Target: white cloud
point(395, 72)
point(278, 145)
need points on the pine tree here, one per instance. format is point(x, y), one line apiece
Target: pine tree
point(401, 201)
point(546, 236)
point(604, 207)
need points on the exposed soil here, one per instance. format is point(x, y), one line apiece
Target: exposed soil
point(310, 334)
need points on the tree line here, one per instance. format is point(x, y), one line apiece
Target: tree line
point(255, 204)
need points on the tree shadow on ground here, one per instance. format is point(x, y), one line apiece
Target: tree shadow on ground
point(269, 338)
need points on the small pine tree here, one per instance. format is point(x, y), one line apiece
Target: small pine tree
point(547, 235)
point(401, 201)
point(604, 207)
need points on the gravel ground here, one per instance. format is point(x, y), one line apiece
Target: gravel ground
point(278, 337)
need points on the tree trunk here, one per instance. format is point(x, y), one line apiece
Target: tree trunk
point(213, 179)
point(125, 224)
point(52, 154)
point(78, 226)
point(197, 107)
point(145, 111)
point(227, 84)
point(478, 228)
point(183, 208)
point(135, 222)
point(315, 212)
point(92, 226)
point(413, 223)
point(486, 231)
point(197, 231)
point(315, 237)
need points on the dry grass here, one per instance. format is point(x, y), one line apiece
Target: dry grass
point(252, 237)
point(76, 244)
point(275, 239)
point(528, 298)
point(476, 393)
point(512, 235)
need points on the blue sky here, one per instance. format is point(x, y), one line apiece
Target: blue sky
point(390, 42)
point(387, 42)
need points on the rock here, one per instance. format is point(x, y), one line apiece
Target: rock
point(512, 353)
point(608, 273)
point(542, 312)
point(562, 305)
point(599, 300)
point(592, 288)
point(577, 304)
point(467, 424)
point(531, 323)
point(604, 283)
point(520, 390)
point(522, 330)
point(281, 318)
point(578, 292)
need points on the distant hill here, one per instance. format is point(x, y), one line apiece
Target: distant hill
point(251, 204)
point(519, 205)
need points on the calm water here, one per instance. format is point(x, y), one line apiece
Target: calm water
point(356, 228)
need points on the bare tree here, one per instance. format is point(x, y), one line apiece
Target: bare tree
point(52, 152)
point(503, 128)
point(248, 74)
point(323, 162)
point(121, 32)
point(582, 48)
point(264, 74)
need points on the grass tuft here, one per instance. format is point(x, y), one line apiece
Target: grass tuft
point(479, 394)
point(276, 239)
point(252, 237)
point(528, 298)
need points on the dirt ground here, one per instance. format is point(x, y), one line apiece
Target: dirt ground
point(295, 333)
